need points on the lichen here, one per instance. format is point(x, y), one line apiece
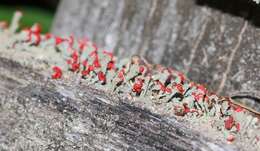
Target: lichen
point(136, 78)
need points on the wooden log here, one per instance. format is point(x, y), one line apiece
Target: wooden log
point(37, 113)
point(214, 42)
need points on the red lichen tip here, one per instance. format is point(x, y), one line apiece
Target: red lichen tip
point(121, 74)
point(238, 109)
point(110, 54)
point(141, 69)
point(137, 87)
point(230, 138)
point(229, 123)
point(111, 65)
point(57, 72)
point(101, 76)
point(96, 62)
point(238, 127)
point(180, 88)
point(48, 36)
point(36, 28)
point(58, 40)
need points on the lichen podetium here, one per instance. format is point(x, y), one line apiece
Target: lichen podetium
point(136, 78)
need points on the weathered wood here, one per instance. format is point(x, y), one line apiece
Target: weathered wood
point(214, 42)
point(37, 113)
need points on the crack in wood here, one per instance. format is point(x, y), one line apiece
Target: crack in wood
point(187, 64)
point(231, 57)
point(151, 24)
point(128, 14)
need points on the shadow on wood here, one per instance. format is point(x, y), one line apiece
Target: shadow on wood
point(247, 9)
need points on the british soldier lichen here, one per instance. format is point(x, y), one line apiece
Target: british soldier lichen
point(136, 78)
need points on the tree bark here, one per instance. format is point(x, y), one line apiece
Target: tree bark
point(214, 42)
point(37, 113)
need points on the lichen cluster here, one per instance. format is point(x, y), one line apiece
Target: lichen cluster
point(136, 78)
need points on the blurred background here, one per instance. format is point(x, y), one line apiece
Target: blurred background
point(40, 11)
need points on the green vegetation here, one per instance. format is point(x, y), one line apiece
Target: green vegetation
point(31, 15)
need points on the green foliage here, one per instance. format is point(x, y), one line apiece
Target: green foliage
point(31, 15)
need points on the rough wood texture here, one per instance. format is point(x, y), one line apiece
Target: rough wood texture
point(41, 114)
point(214, 42)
